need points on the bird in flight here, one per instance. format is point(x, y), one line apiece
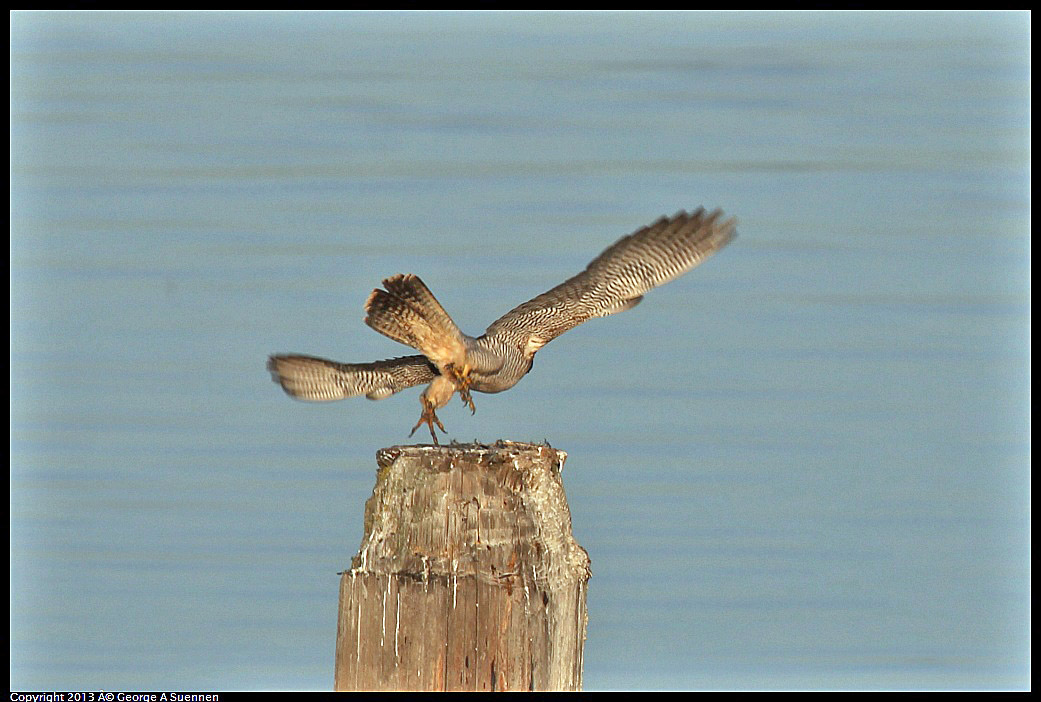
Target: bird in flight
point(451, 362)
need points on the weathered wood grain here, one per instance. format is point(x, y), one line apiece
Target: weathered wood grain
point(468, 576)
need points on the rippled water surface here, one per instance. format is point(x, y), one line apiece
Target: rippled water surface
point(805, 465)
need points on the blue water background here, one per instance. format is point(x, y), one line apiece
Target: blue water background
point(804, 465)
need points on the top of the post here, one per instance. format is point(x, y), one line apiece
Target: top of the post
point(500, 449)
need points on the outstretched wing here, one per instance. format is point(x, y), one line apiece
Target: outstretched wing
point(320, 380)
point(617, 279)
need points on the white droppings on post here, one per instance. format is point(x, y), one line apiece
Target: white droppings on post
point(383, 620)
point(455, 587)
point(357, 644)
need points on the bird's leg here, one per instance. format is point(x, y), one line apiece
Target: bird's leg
point(429, 417)
point(461, 380)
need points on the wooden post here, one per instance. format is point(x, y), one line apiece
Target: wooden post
point(468, 577)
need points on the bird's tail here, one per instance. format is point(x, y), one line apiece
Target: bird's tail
point(408, 312)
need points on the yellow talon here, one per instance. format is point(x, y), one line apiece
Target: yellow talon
point(429, 417)
point(462, 384)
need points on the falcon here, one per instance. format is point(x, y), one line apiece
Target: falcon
point(451, 362)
